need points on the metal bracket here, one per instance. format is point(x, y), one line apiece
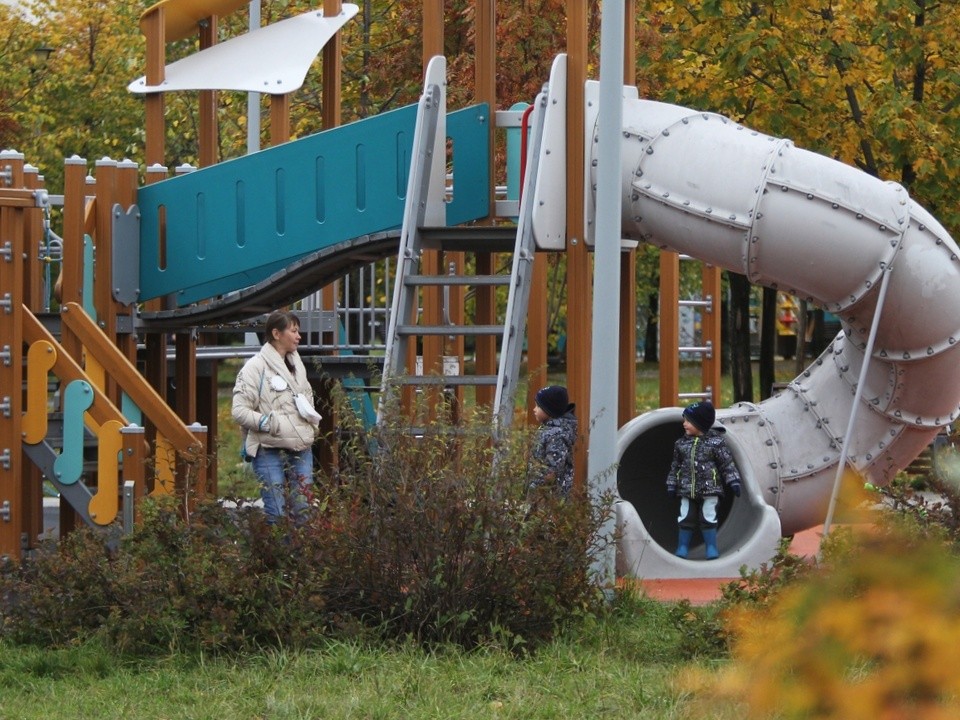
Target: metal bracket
point(126, 254)
point(5, 511)
point(5, 460)
point(5, 355)
point(128, 506)
point(5, 406)
point(6, 302)
point(6, 252)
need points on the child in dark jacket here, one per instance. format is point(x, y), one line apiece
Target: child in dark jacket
point(551, 462)
point(702, 465)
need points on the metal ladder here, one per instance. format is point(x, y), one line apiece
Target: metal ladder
point(708, 351)
point(404, 326)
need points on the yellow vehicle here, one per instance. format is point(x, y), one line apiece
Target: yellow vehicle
point(788, 310)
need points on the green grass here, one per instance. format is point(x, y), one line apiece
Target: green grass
point(622, 666)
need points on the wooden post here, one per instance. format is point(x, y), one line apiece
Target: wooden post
point(106, 170)
point(486, 91)
point(579, 291)
point(154, 30)
point(13, 206)
point(627, 382)
point(669, 328)
point(209, 130)
point(327, 456)
point(710, 331)
point(279, 119)
point(431, 259)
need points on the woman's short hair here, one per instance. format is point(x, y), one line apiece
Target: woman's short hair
point(280, 320)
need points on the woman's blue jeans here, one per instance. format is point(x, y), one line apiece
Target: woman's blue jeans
point(285, 478)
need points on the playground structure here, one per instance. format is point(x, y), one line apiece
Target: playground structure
point(184, 255)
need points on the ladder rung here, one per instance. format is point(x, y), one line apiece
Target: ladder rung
point(449, 380)
point(696, 303)
point(692, 395)
point(450, 329)
point(474, 238)
point(457, 280)
point(696, 348)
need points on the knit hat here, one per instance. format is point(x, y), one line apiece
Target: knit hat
point(701, 415)
point(553, 400)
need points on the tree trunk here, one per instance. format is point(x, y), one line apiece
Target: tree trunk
point(650, 337)
point(768, 341)
point(739, 338)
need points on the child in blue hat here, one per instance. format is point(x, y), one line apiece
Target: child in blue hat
point(551, 463)
point(702, 465)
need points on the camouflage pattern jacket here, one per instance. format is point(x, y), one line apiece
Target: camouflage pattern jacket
point(702, 464)
point(551, 461)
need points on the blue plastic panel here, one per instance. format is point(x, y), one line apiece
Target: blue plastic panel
point(233, 224)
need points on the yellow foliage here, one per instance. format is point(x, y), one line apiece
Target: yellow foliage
point(873, 636)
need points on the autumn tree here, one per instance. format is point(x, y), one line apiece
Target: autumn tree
point(873, 84)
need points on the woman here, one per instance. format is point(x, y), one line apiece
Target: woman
point(273, 404)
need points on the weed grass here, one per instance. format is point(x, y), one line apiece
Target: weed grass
point(622, 665)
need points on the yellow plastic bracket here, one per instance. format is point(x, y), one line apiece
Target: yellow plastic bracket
point(41, 357)
point(104, 505)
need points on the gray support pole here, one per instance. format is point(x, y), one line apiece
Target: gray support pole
point(857, 395)
point(253, 98)
point(602, 443)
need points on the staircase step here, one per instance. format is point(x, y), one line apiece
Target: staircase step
point(465, 280)
point(472, 238)
point(448, 379)
point(453, 330)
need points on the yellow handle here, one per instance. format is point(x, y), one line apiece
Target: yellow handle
point(104, 505)
point(41, 357)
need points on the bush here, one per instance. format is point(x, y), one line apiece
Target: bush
point(871, 633)
point(430, 539)
point(433, 539)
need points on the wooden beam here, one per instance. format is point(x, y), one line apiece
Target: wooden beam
point(209, 128)
point(153, 26)
point(431, 259)
point(13, 219)
point(669, 328)
point(579, 274)
point(710, 331)
point(279, 119)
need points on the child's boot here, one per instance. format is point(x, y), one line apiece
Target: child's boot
point(710, 543)
point(683, 543)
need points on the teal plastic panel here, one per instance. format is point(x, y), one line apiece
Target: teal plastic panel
point(467, 130)
point(233, 224)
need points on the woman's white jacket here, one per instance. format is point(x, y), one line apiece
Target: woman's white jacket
point(264, 402)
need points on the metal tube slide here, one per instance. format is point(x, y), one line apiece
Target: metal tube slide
point(700, 184)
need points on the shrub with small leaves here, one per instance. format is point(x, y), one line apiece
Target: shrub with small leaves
point(434, 539)
point(873, 633)
point(430, 538)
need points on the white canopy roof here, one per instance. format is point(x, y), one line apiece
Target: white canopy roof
point(272, 59)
